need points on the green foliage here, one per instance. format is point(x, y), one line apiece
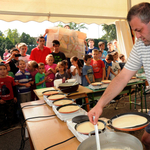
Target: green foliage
point(110, 32)
point(74, 26)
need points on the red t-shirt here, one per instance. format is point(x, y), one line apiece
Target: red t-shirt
point(6, 88)
point(39, 55)
point(98, 66)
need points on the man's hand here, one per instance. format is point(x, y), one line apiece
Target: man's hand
point(95, 111)
point(27, 84)
point(15, 99)
point(2, 101)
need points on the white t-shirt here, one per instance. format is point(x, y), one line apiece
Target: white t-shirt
point(140, 55)
point(77, 77)
point(115, 67)
point(25, 58)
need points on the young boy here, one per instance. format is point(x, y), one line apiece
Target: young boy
point(91, 46)
point(123, 61)
point(13, 60)
point(110, 48)
point(58, 56)
point(98, 66)
point(87, 71)
point(8, 94)
point(24, 80)
point(40, 52)
point(115, 68)
point(40, 77)
point(23, 49)
point(108, 64)
point(8, 70)
point(101, 46)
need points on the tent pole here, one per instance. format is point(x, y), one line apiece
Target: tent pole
point(128, 5)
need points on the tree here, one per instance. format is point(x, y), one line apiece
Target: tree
point(13, 36)
point(26, 38)
point(74, 26)
point(110, 32)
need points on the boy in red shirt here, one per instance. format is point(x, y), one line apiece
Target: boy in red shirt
point(40, 52)
point(8, 94)
point(98, 66)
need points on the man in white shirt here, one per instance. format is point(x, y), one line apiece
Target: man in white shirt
point(139, 20)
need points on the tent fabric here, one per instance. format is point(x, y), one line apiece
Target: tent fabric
point(124, 38)
point(78, 11)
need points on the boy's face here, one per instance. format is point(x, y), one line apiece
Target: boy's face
point(56, 47)
point(41, 69)
point(109, 46)
point(23, 50)
point(29, 67)
point(88, 61)
point(95, 55)
point(49, 60)
point(22, 65)
point(3, 71)
point(100, 55)
point(91, 43)
point(13, 53)
point(8, 67)
point(102, 47)
point(41, 42)
point(109, 61)
point(61, 68)
point(123, 59)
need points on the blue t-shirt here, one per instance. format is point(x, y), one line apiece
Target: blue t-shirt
point(90, 50)
point(107, 65)
point(45, 37)
point(104, 54)
point(87, 70)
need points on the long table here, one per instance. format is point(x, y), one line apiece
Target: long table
point(127, 89)
point(47, 131)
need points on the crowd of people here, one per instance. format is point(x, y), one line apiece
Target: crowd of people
point(21, 73)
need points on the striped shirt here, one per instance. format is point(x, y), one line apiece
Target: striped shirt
point(140, 55)
point(23, 78)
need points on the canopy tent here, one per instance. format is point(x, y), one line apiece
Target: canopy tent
point(78, 11)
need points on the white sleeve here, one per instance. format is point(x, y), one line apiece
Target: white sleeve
point(72, 68)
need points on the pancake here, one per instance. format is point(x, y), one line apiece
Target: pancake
point(128, 121)
point(69, 109)
point(62, 102)
point(56, 97)
point(96, 83)
point(87, 127)
point(50, 93)
point(106, 81)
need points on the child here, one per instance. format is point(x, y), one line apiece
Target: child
point(32, 68)
point(24, 80)
point(66, 67)
point(101, 46)
point(8, 70)
point(50, 69)
point(13, 60)
point(76, 69)
point(91, 46)
point(23, 49)
point(108, 64)
point(98, 66)
point(115, 68)
point(8, 94)
point(87, 70)
point(61, 74)
point(110, 48)
point(40, 77)
point(123, 61)
point(58, 56)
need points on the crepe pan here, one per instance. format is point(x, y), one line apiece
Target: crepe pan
point(92, 132)
point(71, 101)
point(67, 105)
point(57, 98)
point(133, 128)
point(49, 91)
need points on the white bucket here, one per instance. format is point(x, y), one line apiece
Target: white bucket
point(57, 82)
point(70, 80)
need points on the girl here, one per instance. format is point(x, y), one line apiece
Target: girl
point(50, 69)
point(32, 68)
point(115, 68)
point(61, 74)
point(76, 69)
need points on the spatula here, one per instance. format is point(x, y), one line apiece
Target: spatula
point(97, 136)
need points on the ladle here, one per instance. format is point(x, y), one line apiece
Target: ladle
point(97, 136)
